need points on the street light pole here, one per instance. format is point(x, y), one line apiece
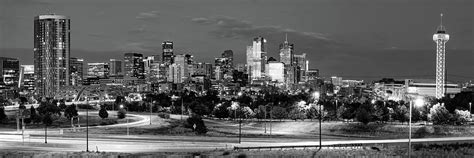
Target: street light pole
point(409, 131)
point(240, 126)
point(320, 127)
point(87, 129)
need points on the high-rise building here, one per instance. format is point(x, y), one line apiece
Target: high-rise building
point(312, 74)
point(256, 58)
point(51, 53)
point(286, 52)
point(440, 37)
point(301, 63)
point(181, 61)
point(276, 71)
point(151, 64)
point(76, 68)
point(98, 70)
point(203, 69)
point(229, 54)
point(9, 73)
point(115, 67)
point(134, 65)
point(336, 81)
point(167, 47)
point(28, 78)
point(174, 73)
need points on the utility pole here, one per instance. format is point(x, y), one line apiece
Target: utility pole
point(87, 129)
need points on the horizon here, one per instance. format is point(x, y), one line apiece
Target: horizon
point(341, 38)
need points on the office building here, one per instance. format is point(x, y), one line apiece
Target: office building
point(27, 79)
point(51, 53)
point(115, 67)
point(98, 70)
point(286, 52)
point(134, 65)
point(276, 71)
point(256, 58)
point(9, 73)
point(167, 55)
point(76, 68)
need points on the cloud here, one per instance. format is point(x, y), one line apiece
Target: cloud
point(232, 28)
point(147, 15)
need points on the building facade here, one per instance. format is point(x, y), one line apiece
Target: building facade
point(256, 58)
point(115, 67)
point(134, 65)
point(286, 52)
point(76, 68)
point(167, 55)
point(51, 53)
point(98, 70)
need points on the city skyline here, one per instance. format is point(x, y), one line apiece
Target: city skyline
point(346, 41)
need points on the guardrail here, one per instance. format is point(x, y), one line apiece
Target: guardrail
point(355, 145)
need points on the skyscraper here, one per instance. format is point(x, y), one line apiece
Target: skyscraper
point(115, 67)
point(9, 72)
point(28, 78)
point(51, 53)
point(229, 54)
point(301, 66)
point(256, 56)
point(286, 52)
point(134, 66)
point(440, 37)
point(167, 47)
point(76, 68)
point(181, 62)
point(98, 70)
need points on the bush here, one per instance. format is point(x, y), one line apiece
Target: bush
point(196, 121)
point(439, 115)
point(421, 132)
point(461, 116)
point(164, 115)
point(70, 111)
point(103, 113)
point(363, 116)
point(121, 114)
point(3, 116)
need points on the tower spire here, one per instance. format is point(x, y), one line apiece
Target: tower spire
point(441, 28)
point(286, 37)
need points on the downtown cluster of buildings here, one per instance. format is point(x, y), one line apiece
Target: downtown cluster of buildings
point(55, 68)
point(167, 71)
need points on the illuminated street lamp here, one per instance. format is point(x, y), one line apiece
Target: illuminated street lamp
point(121, 107)
point(418, 102)
point(316, 96)
point(240, 120)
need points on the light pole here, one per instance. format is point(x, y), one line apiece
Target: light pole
point(121, 107)
point(240, 119)
point(417, 102)
point(87, 129)
point(316, 96)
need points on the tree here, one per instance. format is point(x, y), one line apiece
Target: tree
point(363, 116)
point(71, 111)
point(196, 123)
point(3, 116)
point(103, 113)
point(199, 108)
point(279, 112)
point(47, 110)
point(439, 115)
point(62, 105)
point(400, 113)
point(220, 111)
point(296, 114)
point(33, 116)
point(121, 113)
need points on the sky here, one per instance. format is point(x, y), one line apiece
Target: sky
point(355, 39)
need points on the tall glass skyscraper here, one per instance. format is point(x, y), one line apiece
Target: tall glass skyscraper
point(286, 52)
point(167, 56)
point(51, 53)
point(134, 65)
point(256, 58)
